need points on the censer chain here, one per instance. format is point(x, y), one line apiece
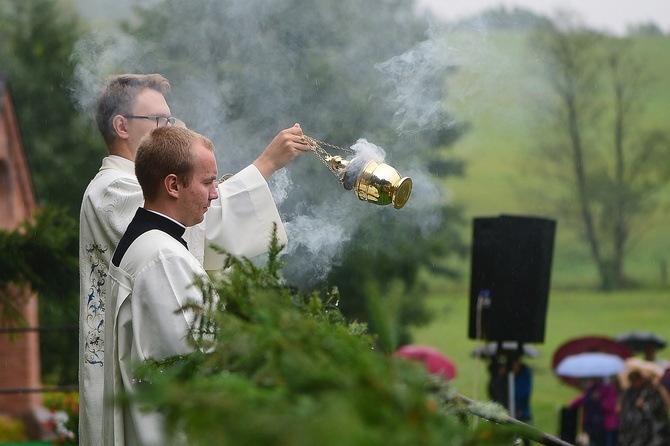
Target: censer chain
point(323, 154)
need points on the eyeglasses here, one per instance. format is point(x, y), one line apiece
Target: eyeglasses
point(161, 121)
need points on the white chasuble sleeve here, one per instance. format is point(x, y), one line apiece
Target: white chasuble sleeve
point(240, 221)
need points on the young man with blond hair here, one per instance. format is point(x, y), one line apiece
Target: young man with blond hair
point(152, 273)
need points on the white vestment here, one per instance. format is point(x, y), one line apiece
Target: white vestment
point(240, 222)
point(152, 282)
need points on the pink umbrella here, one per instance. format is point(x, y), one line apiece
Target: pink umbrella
point(436, 363)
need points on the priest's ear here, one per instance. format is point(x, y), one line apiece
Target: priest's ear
point(119, 124)
point(172, 185)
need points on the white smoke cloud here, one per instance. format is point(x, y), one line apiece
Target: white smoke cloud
point(417, 79)
point(320, 215)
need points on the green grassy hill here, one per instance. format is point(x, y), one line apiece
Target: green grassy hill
point(496, 92)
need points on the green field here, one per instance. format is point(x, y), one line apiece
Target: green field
point(498, 98)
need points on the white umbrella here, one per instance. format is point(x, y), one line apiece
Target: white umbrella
point(590, 365)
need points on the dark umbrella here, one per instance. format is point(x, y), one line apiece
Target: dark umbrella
point(485, 351)
point(435, 362)
point(586, 344)
point(640, 341)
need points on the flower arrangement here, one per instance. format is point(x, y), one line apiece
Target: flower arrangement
point(64, 407)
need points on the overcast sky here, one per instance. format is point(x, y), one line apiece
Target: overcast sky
point(607, 15)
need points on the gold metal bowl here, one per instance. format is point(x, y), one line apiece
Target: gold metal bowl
point(381, 184)
point(373, 181)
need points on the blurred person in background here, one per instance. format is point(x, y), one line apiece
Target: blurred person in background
point(600, 420)
point(643, 413)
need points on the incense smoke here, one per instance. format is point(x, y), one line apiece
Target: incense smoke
point(240, 84)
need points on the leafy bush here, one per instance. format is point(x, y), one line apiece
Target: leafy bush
point(273, 366)
point(11, 430)
point(34, 256)
point(64, 407)
point(41, 256)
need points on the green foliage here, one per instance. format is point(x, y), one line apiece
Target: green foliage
point(65, 419)
point(62, 148)
point(35, 256)
point(272, 365)
point(63, 151)
point(377, 265)
point(12, 430)
point(644, 29)
point(502, 18)
point(41, 256)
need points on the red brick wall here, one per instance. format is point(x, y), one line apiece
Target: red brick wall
point(19, 358)
point(20, 365)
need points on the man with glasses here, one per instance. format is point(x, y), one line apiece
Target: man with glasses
point(240, 221)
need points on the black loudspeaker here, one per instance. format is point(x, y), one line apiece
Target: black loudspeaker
point(510, 277)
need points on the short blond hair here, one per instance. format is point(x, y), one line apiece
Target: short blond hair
point(164, 151)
